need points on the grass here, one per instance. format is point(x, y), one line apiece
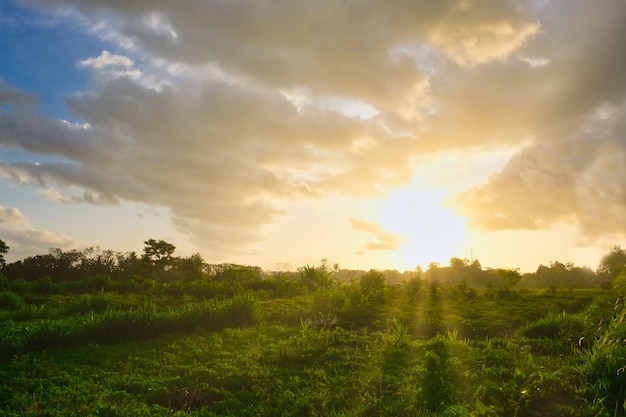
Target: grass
point(427, 353)
point(142, 322)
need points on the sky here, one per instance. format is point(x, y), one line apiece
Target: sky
point(379, 134)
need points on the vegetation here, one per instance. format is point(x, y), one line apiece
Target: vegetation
point(102, 333)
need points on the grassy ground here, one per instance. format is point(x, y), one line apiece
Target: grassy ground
point(437, 351)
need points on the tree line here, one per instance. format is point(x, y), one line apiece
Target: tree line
point(158, 263)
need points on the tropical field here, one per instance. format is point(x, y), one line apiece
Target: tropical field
point(102, 333)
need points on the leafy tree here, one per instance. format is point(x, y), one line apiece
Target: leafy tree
point(95, 261)
point(158, 254)
point(435, 322)
point(372, 286)
point(560, 275)
point(458, 262)
point(130, 264)
point(3, 250)
point(66, 265)
point(509, 277)
point(55, 264)
point(613, 263)
point(314, 277)
point(318, 277)
point(190, 268)
point(232, 273)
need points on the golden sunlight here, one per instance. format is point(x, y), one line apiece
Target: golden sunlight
point(431, 232)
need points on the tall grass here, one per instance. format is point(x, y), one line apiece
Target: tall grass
point(557, 333)
point(115, 325)
point(602, 367)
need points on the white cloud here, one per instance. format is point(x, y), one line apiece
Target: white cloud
point(112, 65)
point(24, 240)
point(12, 217)
point(107, 60)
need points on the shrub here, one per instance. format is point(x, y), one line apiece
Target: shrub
point(10, 301)
point(438, 390)
point(555, 325)
point(601, 368)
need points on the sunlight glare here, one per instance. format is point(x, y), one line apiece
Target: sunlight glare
point(433, 233)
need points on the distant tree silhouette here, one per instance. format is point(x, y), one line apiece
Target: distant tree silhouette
point(509, 277)
point(314, 277)
point(560, 275)
point(158, 254)
point(613, 263)
point(3, 250)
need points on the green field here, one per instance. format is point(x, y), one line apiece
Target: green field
point(236, 341)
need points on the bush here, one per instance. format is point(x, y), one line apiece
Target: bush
point(555, 325)
point(438, 390)
point(10, 301)
point(602, 369)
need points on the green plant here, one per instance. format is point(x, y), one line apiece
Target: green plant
point(438, 390)
point(10, 301)
point(602, 368)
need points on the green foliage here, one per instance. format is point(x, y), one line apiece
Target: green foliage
point(158, 254)
point(560, 275)
point(433, 321)
point(613, 263)
point(601, 367)
point(10, 301)
point(108, 334)
point(3, 250)
point(438, 389)
point(313, 278)
point(145, 321)
point(619, 283)
point(558, 332)
point(509, 277)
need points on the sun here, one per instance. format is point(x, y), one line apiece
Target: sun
point(430, 231)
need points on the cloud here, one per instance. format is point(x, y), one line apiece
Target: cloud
point(343, 49)
point(111, 65)
point(216, 155)
point(220, 110)
point(567, 112)
point(13, 97)
point(12, 217)
point(384, 240)
point(23, 240)
point(511, 102)
point(580, 179)
point(107, 60)
point(472, 35)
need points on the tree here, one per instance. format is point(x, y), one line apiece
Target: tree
point(433, 265)
point(613, 263)
point(95, 261)
point(509, 277)
point(3, 250)
point(458, 262)
point(372, 286)
point(158, 254)
point(190, 268)
point(314, 277)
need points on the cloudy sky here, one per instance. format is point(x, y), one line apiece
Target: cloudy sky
point(373, 133)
